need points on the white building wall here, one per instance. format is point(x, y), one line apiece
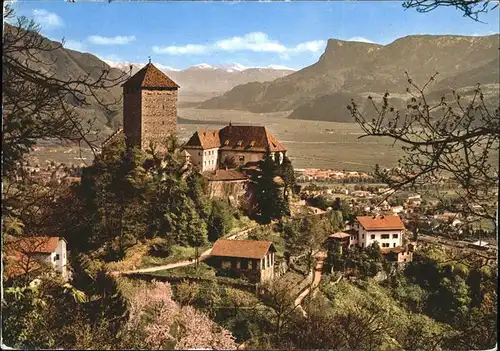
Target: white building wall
point(372, 236)
point(210, 160)
point(365, 237)
point(61, 263)
point(205, 160)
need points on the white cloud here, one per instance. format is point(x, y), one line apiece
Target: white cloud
point(180, 50)
point(118, 40)
point(254, 41)
point(311, 46)
point(47, 19)
point(74, 45)
point(361, 39)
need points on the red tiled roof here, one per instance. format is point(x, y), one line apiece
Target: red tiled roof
point(35, 244)
point(339, 235)
point(225, 174)
point(150, 77)
point(381, 222)
point(252, 138)
point(242, 248)
point(207, 139)
point(243, 138)
point(17, 253)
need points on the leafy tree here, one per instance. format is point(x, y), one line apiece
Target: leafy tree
point(269, 198)
point(291, 231)
point(422, 333)
point(229, 162)
point(220, 220)
point(313, 236)
point(362, 326)
point(335, 221)
point(288, 175)
point(113, 192)
point(278, 296)
point(36, 316)
point(334, 259)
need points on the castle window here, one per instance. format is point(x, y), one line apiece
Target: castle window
point(242, 158)
point(240, 143)
point(385, 236)
point(394, 236)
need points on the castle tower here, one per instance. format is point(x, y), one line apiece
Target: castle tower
point(149, 107)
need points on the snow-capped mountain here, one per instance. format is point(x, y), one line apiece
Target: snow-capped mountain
point(124, 66)
point(237, 67)
point(206, 78)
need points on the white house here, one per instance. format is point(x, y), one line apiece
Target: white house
point(386, 230)
point(31, 253)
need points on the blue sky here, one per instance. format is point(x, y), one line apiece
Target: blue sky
point(181, 34)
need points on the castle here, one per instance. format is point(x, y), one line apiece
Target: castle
point(149, 107)
point(150, 116)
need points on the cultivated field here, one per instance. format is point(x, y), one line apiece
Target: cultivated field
point(310, 144)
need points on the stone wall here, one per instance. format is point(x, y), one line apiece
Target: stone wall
point(159, 116)
point(132, 116)
point(235, 191)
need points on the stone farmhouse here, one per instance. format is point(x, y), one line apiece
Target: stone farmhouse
point(253, 259)
point(32, 254)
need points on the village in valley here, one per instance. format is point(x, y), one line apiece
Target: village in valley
point(216, 240)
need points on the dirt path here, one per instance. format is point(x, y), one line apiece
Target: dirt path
point(203, 257)
point(320, 257)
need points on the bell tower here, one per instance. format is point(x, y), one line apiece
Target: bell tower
point(149, 108)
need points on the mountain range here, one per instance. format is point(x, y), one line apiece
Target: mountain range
point(345, 71)
point(354, 70)
point(204, 78)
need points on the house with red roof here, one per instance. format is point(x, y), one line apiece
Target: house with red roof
point(35, 253)
point(387, 231)
point(251, 258)
point(210, 149)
